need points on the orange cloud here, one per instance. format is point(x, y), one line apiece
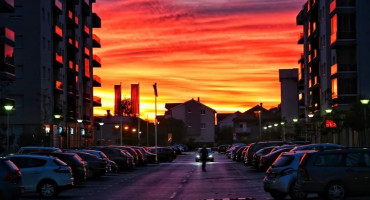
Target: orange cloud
point(226, 52)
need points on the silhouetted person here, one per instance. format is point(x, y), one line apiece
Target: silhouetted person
point(203, 157)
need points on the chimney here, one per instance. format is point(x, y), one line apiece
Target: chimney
point(198, 99)
point(108, 113)
point(261, 104)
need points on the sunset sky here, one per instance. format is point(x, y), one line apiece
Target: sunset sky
point(227, 52)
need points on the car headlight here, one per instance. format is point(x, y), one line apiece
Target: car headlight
point(198, 156)
point(210, 156)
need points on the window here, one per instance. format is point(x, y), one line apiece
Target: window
point(189, 125)
point(203, 126)
point(353, 160)
point(202, 112)
point(240, 125)
point(329, 160)
point(8, 54)
point(189, 110)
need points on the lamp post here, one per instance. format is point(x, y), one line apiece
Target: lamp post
point(283, 128)
point(365, 102)
point(8, 108)
point(310, 115)
point(328, 111)
point(260, 123)
point(57, 118)
point(79, 138)
point(101, 132)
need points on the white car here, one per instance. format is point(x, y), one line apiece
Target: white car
point(46, 175)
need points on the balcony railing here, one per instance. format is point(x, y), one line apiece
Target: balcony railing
point(96, 81)
point(96, 41)
point(242, 130)
point(59, 58)
point(342, 35)
point(96, 61)
point(335, 4)
point(58, 5)
point(59, 85)
point(343, 68)
point(87, 30)
point(7, 34)
point(300, 38)
point(58, 32)
point(96, 21)
point(97, 101)
point(87, 51)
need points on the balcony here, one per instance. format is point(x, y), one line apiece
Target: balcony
point(58, 7)
point(96, 81)
point(87, 52)
point(242, 130)
point(300, 17)
point(7, 36)
point(87, 96)
point(72, 23)
point(339, 6)
point(86, 7)
point(86, 31)
point(58, 60)
point(343, 71)
point(96, 101)
point(59, 86)
point(96, 21)
point(58, 33)
point(300, 38)
point(301, 58)
point(96, 41)
point(343, 38)
point(96, 61)
point(6, 6)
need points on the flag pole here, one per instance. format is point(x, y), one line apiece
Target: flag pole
point(155, 121)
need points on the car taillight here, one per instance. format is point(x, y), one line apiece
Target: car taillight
point(12, 176)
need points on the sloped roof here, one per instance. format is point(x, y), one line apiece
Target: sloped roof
point(170, 106)
point(265, 114)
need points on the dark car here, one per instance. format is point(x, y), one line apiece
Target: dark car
point(257, 156)
point(267, 160)
point(335, 174)
point(76, 163)
point(96, 167)
point(234, 151)
point(222, 148)
point(116, 155)
point(11, 186)
point(254, 147)
point(143, 153)
point(164, 153)
point(238, 156)
point(131, 151)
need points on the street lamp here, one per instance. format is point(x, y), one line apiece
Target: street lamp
point(101, 131)
point(134, 130)
point(295, 120)
point(283, 127)
point(8, 108)
point(79, 138)
point(365, 102)
point(328, 111)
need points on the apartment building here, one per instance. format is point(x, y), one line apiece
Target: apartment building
point(199, 120)
point(54, 64)
point(334, 65)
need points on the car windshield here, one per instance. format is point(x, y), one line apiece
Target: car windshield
point(208, 149)
point(283, 161)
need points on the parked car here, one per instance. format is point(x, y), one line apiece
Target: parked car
point(335, 174)
point(238, 155)
point(222, 148)
point(131, 151)
point(11, 186)
point(234, 151)
point(164, 153)
point(143, 153)
point(254, 147)
point(320, 146)
point(46, 175)
point(96, 166)
point(281, 177)
point(267, 160)
point(73, 160)
point(198, 155)
point(116, 155)
point(257, 156)
point(36, 149)
point(98, 154)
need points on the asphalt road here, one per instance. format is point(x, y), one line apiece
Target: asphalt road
point(181, 179)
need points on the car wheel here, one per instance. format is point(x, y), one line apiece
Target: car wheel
point(47, 189)
point(335, 191)
point(278, 195)
point(296, 193)
point(170, 159)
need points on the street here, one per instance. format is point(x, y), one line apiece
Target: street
point(181, 179)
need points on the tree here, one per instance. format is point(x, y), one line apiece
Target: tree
point(126, 107)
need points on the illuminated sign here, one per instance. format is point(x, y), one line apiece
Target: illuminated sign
point(329, 123)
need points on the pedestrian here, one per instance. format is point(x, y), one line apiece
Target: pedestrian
point(203, 157)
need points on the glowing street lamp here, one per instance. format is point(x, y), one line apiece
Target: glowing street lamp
point(276, 124)
point(365, 102)
point(295, 120)
point(134, 130)
point(328, 111)
point(310, 115)
point(8, 108)
point(116, 126)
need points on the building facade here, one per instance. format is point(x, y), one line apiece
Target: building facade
point(199, 120)
point(334, 65)
point(54, 64)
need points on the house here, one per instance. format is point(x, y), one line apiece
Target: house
point(198, 118)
